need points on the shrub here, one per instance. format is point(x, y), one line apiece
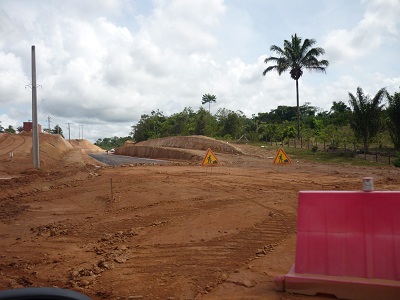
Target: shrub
point(396, 163)
point(314, 149)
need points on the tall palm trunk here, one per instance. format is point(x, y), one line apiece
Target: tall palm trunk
point(298, 109)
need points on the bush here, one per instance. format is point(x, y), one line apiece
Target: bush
point(347, 154)
point(314, 149)
point(396, 163)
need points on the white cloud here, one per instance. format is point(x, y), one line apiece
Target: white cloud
point(105, 63)
point(379, 24)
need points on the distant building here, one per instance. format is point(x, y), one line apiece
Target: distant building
point(28, 127)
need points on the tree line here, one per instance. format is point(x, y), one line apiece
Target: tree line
point(366, 119)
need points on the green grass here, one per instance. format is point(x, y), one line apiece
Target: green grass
point(324, 157)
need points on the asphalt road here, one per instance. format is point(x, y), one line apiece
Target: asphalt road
point(117, 160)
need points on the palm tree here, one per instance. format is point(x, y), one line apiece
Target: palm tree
point(366, 118)
point(208, 98)
point(393, 111)
point(296, 56)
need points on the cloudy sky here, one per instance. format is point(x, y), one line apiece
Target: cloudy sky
point(104, 63)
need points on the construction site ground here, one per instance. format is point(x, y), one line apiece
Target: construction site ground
point(150, 231)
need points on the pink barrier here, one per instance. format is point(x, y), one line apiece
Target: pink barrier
point(348, 245)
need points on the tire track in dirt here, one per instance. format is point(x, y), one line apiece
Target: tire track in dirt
point(203, 263)
point(10, 144)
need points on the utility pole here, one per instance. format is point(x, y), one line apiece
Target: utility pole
point(35, 135)
point(69, 132)
point(48, 120)
point(80, 131)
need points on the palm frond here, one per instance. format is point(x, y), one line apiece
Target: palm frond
point(272, 59)
point(277, 49)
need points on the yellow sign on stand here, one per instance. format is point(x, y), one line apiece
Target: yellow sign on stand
point(210, 160)
point(281, 157)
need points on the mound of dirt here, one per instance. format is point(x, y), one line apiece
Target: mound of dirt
point(178, 148)
point(53, 145)
point(54, 151)
point(195, 142)
point(85, 145)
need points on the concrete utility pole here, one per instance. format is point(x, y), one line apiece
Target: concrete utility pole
point(69, 132)
point(48, 120)
point(80, 126)
point(35, 134)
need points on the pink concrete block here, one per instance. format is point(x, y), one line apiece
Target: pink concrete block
point(342, 235)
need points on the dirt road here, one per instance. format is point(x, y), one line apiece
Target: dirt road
point(177, 231)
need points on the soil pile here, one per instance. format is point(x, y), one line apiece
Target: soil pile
point(190, 148)
point(54, 151)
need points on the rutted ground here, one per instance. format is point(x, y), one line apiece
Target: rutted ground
point(178, 231)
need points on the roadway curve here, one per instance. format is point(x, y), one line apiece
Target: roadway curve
point(117, 160)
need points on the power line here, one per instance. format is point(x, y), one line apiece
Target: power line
point(12, 85)
point(13, 81)
point(20, 79)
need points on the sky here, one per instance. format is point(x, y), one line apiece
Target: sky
point(101, 64)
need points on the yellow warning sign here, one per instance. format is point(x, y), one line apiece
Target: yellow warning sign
point(210, 159)
point(281, 157)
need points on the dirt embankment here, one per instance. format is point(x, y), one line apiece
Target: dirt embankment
point(178, 148)
point(54, 151)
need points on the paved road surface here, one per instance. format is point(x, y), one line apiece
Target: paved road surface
point(116, 160)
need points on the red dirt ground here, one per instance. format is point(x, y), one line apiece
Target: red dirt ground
point(177, 231)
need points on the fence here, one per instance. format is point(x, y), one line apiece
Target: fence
point(384, 156)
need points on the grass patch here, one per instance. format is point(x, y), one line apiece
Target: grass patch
point(345, 158)
point(348, 158)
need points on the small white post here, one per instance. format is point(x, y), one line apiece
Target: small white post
point(368, 184)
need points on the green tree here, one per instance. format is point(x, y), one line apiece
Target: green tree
point(112, 143)
point(231, 124)
point(149, 126)
point(294, 57)
point(366, 118)
point(180, 123)
point(393, 118)
point(339, 114)
point(346, 136)
point(208, 98)
point(289, 132)
point(10, 129)
point(57, 130)
point(201, 122)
